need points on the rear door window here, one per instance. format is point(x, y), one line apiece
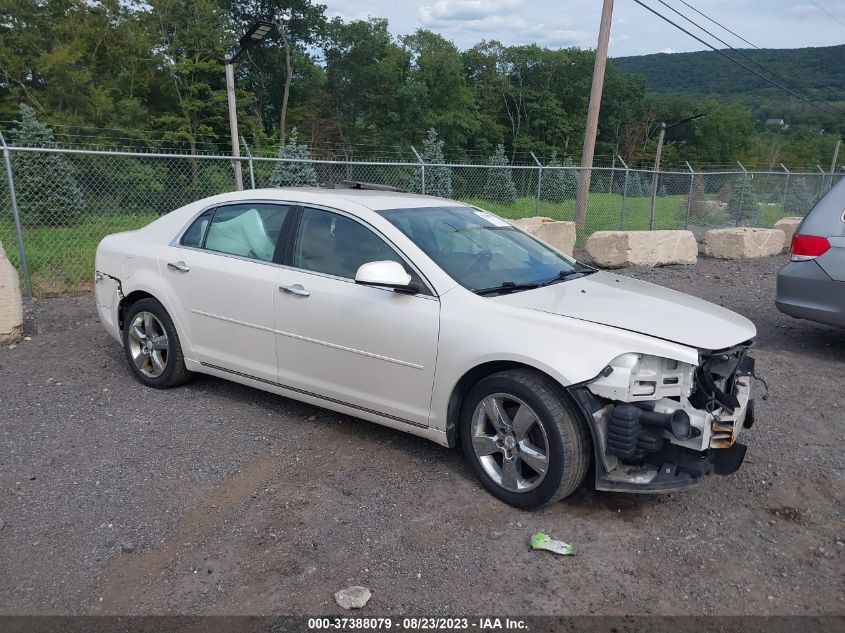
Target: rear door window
point(249, 230)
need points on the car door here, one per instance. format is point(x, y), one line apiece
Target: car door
point(368, 347)
point(220, 283)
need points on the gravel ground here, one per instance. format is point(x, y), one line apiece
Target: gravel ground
point(219, 499)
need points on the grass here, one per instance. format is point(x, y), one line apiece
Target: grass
point(61, 258)
point(604, 211)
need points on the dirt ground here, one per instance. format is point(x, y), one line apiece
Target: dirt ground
point(215, 498)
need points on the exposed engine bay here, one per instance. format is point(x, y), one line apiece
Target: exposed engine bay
point(660, 424)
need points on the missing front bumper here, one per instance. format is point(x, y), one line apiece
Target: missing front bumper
point(671, 467)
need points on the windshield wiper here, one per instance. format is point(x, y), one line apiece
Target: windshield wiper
point(563, 275)
point(505, 288)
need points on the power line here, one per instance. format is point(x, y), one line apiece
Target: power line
point(735, 50)
point(823, 10)
point(737, 62)
point(688, 5)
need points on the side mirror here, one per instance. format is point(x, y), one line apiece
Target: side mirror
point(386, 274)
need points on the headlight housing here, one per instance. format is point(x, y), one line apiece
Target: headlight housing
point(635, 377)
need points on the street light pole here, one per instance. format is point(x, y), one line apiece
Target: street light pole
point(229, 63)
point(654, 175)
point(663, 128)
point(254, 34)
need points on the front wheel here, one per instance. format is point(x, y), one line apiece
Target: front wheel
point(525, 442)
point(152, 346)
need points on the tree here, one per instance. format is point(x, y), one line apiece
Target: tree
point(799, 200)
point(438, 179)
point(694, 200)
point(365, 74)
point(188, 51)
point(294, 174)
point(48, 192)
point(743, 206)
point(499, 187)
point(638, 187)
point(435, 93)
point(559, 184)
point(299, 25)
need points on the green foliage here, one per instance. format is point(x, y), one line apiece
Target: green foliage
point(498, 185)
point(293, 174)
point(148, 75)
point(48, 193)
point(638, 185)
point(799, 198)
point(813, 72)
point(559, 184)
point(438, 180)
point(743, 206)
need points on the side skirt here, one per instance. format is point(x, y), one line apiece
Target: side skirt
point(302, 395)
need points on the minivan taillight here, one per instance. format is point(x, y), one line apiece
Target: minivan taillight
point(806, 247)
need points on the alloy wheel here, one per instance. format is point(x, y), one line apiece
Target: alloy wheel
point(148, 344)
point(510, 442)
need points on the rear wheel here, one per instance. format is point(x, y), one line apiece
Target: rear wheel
point(152, 346)
point(524, 440)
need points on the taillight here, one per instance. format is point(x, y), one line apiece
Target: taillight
point(806, 247)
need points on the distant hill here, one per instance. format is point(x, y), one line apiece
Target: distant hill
point(817, 73)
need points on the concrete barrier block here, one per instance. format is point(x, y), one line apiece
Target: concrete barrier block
point(744, 243)
point(11, 309)
point(559, 235)
point(788, 226)
point(617, 249)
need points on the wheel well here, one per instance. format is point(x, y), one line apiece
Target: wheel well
point(127, 301)
point(467, 382)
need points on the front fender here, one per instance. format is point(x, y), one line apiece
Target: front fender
point(569, 350)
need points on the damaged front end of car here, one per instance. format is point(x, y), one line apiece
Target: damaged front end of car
point(659, 424)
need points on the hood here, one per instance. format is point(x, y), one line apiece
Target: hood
point(641, 307)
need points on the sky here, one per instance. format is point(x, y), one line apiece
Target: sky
point(635, 31)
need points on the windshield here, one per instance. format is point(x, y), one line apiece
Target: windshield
point(481, 251)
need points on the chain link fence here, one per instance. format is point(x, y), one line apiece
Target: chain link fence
point(68, 200)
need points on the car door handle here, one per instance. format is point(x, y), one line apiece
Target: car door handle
point(295, 289)
point(181, 267)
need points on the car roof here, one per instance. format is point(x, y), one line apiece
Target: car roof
point(372, 199)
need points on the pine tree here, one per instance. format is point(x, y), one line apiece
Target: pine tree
point(499, 185)
point(48, 193)
point(744, 205)
point(799, 199)
point(294, 174)
point(636, 185)
point(559, 184)
point(438, 179)
point(694, 201)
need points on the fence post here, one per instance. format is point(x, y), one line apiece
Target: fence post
point(249, 162)
point(16, 215)
point(785, 192)
point(624, 195)
point(821, 182)
point(539, 184)
point(689, 197)
point(422, 167)
point(742, 192)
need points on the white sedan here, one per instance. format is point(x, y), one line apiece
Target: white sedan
point(442, 320)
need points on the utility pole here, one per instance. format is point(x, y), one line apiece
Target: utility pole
point(833, 162)
point(229, 63)
point(654, 175)
point(593, 114)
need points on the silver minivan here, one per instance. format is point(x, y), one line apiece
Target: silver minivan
point(812, 285)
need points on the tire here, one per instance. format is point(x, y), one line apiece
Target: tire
point(152, 346)
point(508, 460)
